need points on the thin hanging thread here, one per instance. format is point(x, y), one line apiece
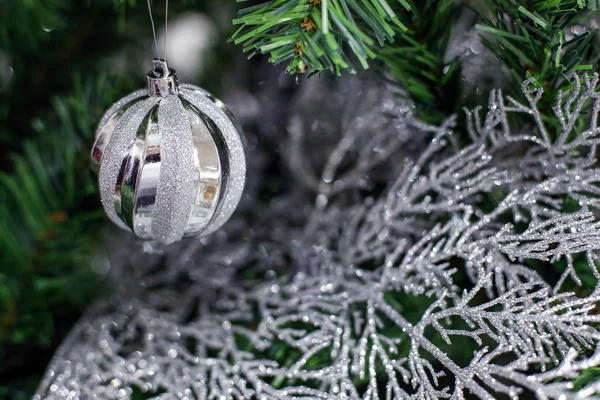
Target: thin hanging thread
point(166, 28)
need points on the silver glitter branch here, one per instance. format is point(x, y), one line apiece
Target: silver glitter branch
point(443, 285)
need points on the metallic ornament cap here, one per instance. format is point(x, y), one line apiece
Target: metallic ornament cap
point(162, 80)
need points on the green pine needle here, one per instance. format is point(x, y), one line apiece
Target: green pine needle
point(48, 233)
point(529, 39)
point(318, 35)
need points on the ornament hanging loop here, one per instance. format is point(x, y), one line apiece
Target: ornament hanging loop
point(162, 80)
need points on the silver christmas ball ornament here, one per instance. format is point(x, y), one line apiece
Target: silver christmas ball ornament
point(169, 159)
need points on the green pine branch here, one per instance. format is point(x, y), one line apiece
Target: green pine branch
point(541, 39)
point(408, 40)
point(319, 35)
point(51, 220)
point(25, 24)
point(416, 60)
point(405, 38)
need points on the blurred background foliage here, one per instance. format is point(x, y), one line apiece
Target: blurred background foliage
point(63, 63)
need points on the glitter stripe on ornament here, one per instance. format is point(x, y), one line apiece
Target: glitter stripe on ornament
point(116, 149)
point(178, 182)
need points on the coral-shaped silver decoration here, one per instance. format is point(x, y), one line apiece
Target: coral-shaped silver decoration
point(170, 160)
point(341, 321)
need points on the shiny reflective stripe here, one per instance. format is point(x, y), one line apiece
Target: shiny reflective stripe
point(131, 174)
point(231, 151)
point(116, 150)
point(148, 181)
point(208, 164)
